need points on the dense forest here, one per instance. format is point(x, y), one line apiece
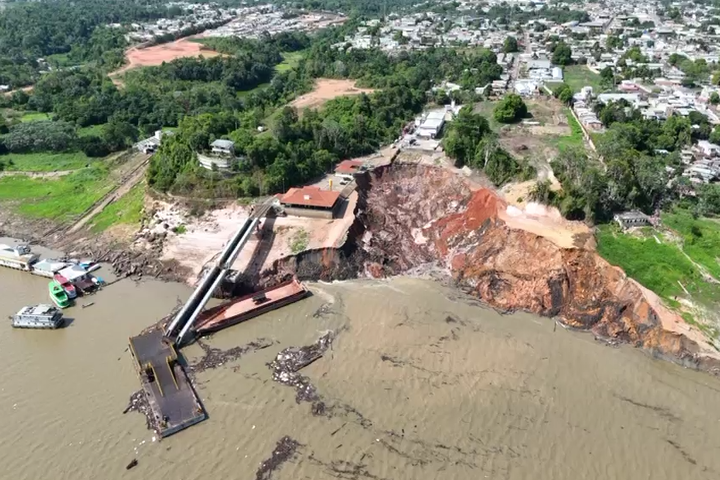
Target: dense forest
point(71, 31)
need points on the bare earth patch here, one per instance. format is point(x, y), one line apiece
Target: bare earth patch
point(327, 89)
point(167, 52)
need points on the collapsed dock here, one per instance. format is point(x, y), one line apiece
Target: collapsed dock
point(172, 398)
point(173, 402)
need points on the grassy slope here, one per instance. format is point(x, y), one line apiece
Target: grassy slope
point(701, 238)
point(60, 199)
point(575, 138)
point(290, 61)
point(658, 267)
point(578, 76)
point(46, 162)
point(126, 211)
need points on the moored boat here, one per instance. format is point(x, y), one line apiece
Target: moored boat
point(48, 267)
point(19, 257)
point(38, 316)
point(58, 295)
point(67, 286)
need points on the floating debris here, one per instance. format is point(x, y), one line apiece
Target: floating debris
point(290, 360)
point(132, 464)
point(284, 451)
point(216, 357)
point(139, 403)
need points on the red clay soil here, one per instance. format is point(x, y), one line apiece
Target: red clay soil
point(167, 52)
point(415, 218)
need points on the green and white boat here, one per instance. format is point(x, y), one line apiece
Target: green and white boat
point(58, 295)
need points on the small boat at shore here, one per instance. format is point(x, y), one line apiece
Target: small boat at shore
point(38, 316)
point(58, 295)
point(69, 288)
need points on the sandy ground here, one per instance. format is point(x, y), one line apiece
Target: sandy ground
point(205, 237)
point(24, 89)
point(327, 89)
point(167, 52)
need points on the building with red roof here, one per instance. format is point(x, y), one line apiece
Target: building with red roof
point(348, 168)
point(310, 202)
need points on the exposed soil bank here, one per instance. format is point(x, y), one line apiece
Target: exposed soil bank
point(423, 219)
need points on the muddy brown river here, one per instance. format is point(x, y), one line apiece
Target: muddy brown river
point(420, 383)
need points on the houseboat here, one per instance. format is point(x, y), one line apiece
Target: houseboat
point(38, 316)
point(48, 267)
point(58, 295)
point(19, 257)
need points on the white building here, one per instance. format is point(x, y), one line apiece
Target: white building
point(431, 126)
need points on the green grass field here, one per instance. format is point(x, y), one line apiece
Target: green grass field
point(658, 267)
point(45, 162)
point(60, 199)
point(576, 136)
point(578, 76)
point(125, 211)
point(92, 130)
point(290, 61)
point(701, 238)
point(34, 117)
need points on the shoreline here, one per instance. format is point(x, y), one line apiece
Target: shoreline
point(466, 235)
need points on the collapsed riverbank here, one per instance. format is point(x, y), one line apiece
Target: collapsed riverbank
point(420, 219)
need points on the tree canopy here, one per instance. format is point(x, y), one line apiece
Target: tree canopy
point(510, 109)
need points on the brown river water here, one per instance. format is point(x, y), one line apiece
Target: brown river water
point(421, 383)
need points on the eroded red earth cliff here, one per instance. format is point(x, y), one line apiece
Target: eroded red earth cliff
point(413, 217)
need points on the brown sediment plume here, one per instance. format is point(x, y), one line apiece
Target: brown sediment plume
point(426, 219)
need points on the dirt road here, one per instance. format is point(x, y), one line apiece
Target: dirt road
point(135, 173)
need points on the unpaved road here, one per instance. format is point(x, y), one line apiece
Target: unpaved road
point(137, 167)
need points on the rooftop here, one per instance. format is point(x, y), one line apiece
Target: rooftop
point(348, 166)
point(310, 197)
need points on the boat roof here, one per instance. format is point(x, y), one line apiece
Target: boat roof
point(41, 309)
point(73, 272)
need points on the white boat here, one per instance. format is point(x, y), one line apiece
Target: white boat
point(19, 257)
point(48, 267)
point(38, 316)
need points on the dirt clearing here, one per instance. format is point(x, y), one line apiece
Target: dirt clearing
point(327, 89)
point(167, 52)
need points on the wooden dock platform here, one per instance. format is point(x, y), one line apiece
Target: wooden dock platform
point(171, 396)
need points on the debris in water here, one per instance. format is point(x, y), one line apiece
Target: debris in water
point(284, 451)
point(132, 464)
point(139, 403)
point(216, 357)
point(290, 360)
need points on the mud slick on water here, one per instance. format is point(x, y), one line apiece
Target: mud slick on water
point(291, 360)
point(284, 451)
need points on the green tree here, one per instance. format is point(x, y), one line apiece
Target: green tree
point(510, 109)
point(714, 98)
point(607, 77)
point(562, 54)
point(510, 45)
